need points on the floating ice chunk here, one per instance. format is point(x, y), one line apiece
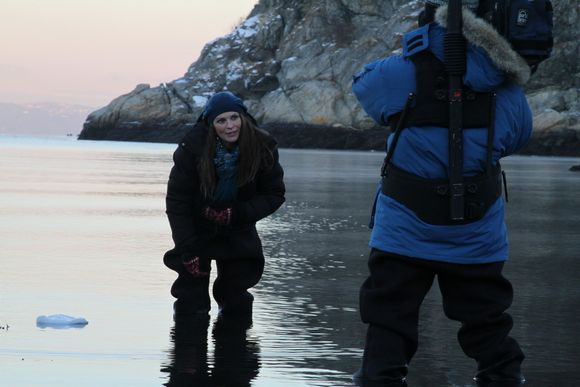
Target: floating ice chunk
point(60, 321)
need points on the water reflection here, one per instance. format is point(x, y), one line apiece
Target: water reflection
point(88, 221)
point(234, 361)
point(306, 308)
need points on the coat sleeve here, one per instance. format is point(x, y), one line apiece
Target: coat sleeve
point(514, 115)
point(524, 131)
point(182, 201)
point(269, 195)
point(382, 87)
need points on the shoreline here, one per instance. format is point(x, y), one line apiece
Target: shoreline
point(564, 142)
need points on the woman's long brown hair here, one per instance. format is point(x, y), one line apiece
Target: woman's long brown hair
point(254, 154)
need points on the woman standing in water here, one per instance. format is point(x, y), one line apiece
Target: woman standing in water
point(226, 176)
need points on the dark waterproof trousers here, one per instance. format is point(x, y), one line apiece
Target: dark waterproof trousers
point(230, 288)
point(475, 295)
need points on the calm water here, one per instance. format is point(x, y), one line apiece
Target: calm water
point(83, 230)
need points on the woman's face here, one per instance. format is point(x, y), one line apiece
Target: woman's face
point(227, 126)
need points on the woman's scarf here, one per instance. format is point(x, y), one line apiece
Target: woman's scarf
point(226, 165)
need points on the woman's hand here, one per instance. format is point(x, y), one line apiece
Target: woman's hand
point(222, 217)
point(193, 267)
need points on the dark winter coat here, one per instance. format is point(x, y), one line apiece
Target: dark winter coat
point(193, 234)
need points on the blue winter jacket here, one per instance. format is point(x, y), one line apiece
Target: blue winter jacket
point(382, 89)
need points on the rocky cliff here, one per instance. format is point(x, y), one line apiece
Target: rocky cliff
point(292, 61)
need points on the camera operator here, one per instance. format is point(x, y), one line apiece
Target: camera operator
point(413, 237)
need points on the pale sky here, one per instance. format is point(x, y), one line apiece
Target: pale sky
point(88, 52)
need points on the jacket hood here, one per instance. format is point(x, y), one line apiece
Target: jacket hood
point(194, 140)
point(481, 34)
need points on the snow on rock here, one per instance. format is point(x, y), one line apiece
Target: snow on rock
point(248, 28)
point(199, 100)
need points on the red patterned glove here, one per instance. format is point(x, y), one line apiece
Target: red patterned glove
point(222, 217)
point(193, 266)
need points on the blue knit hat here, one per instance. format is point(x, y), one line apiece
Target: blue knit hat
point(222, 102)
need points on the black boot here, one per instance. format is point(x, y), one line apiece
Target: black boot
point(501, 369)
point(505, 377)
point(238, 305)
point(238, 310)
point(499, 383)
point(384, 361)
point(185, 309)
point(192, 295)
point(360, 380)
point(514, 383)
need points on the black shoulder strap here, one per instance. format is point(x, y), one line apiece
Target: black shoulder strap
point(455, 63)
point(401, 124)
point(431, 106)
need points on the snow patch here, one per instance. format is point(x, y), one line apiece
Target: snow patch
point(235, 71)
point(248, 28)
point(199, 100)
point(221, 48)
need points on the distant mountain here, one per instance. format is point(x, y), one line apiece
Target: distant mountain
point(47, 119)
point(292, 62)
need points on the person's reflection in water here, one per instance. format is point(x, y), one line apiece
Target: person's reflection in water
point(189, 365)
point(236, 357)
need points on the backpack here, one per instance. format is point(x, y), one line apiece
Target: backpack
point(526, 24)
